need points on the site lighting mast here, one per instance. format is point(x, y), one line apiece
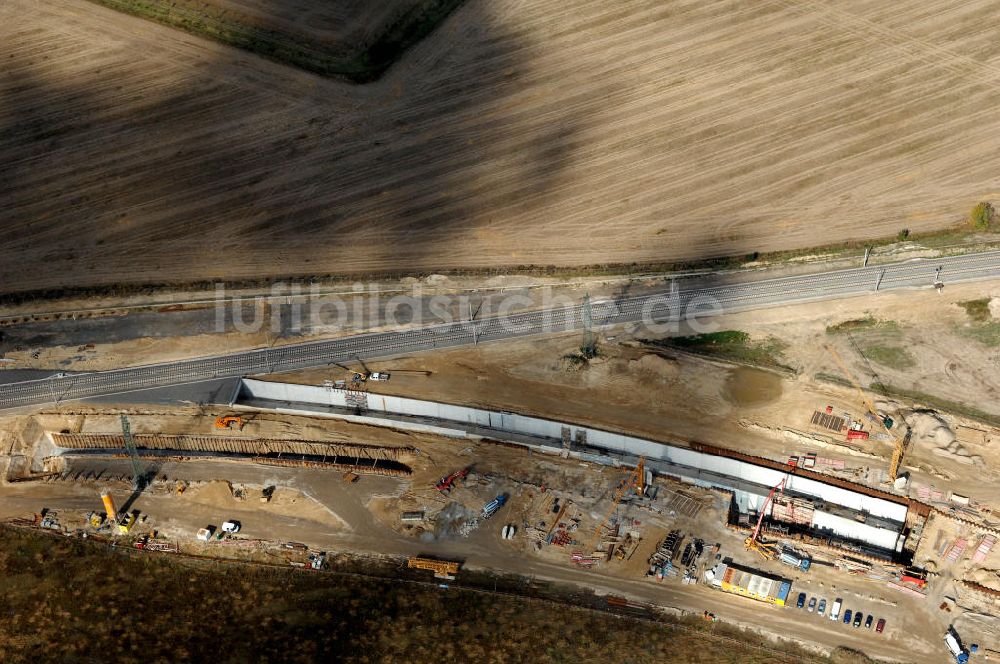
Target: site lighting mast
point(589, 347)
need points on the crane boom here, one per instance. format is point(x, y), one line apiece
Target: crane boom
point(753, 542)
point(899, 444)
point(636, 479)
point(857, 386)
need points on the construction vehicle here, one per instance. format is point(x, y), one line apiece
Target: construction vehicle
point(914, 576)
point(899, 443)
point(442, 569)
point(634, 483)
point(227, 422)
point(126, 522)
point(767, 550)
point(951, 640)
point(793, 558)
point(490, 508)
point(447, 483)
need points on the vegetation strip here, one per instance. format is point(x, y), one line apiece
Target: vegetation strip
point(729, 345)
point(361, 605)
point(772, 259)
point(362, 65)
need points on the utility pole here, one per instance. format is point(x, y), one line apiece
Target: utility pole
point(139, 480)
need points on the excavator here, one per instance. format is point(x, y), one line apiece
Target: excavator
point(227, 422)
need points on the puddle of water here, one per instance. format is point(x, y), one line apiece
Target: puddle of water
point(748, 387)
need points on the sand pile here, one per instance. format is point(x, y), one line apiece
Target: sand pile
point(655, 366)
point(933, 430)
point(995, 307)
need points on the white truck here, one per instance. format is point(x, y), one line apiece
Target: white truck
point(835, 611)
point(955, 647)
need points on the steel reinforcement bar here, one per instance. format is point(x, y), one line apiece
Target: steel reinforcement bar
point(398, 471)
point(252, 446)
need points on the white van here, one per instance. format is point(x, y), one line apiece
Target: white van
point(835, 611)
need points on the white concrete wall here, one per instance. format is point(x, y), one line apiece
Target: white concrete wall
point(614, 442)
point(887, 539)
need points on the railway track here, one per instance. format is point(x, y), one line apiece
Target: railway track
point(656, 308)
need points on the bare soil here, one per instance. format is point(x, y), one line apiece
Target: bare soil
point(514, 135)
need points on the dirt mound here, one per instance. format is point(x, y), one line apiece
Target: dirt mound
point(656, 366)
point(932, 429)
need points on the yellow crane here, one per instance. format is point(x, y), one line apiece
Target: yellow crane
point(899, 444)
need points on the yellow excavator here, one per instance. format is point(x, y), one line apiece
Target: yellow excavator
point(227, 422)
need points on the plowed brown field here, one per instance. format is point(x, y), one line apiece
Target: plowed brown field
point(520, 132)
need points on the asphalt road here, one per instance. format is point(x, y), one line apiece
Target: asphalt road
point(702, 297)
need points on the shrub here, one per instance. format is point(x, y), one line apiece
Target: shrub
point(982, 216)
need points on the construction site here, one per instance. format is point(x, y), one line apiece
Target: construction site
point(522, 401)
point(805, 499)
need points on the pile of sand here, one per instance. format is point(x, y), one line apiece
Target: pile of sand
point(932, 429)
point(995, 307)
point(655, 366)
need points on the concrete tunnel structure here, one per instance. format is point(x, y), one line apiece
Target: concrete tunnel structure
point(854, 513)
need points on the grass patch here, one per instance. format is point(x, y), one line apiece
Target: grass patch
point(867, 324)
point(977, 310)
point(730, 345)
point(361, 64)
point(893, 357)
point(986, 330)
point(987, 334)
point(84, 609)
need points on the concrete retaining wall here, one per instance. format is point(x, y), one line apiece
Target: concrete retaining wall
point(505, 422)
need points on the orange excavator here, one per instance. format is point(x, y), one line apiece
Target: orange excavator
point(227, 422)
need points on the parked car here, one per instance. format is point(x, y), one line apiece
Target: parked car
point(812, 604)
point(835, 610)
point(821, 609)
point(880, 625)
point(847, 617)
point(868, 623)
point(858, 617)
point(801, 601)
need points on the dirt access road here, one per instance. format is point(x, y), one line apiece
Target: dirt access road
point(355, 529)
point(517, 133)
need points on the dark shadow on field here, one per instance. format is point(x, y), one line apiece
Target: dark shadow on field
point(104, 181)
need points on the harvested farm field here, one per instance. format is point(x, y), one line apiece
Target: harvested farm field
point(516, 133)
